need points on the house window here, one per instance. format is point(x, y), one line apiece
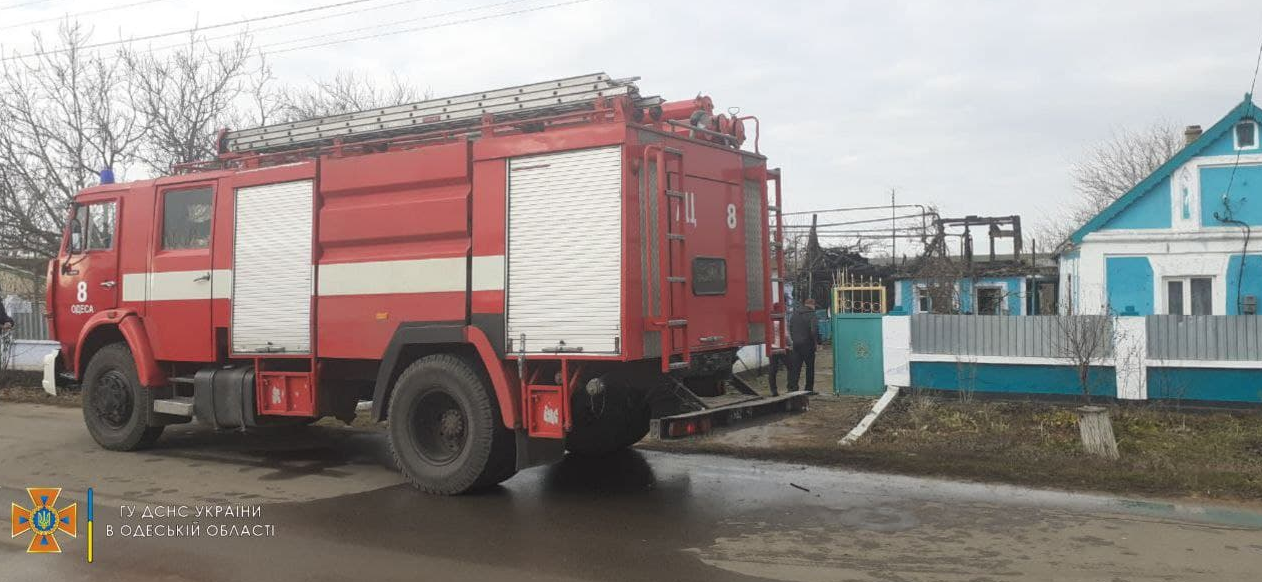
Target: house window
point(924, 302)
point(1246, 135)
point(186, 219)
point(1190, 296)
point(989, 300)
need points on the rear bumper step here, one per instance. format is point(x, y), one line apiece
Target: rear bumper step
point(703, 421)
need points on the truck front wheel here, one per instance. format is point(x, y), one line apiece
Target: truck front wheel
point(445, 431)
point(116, 408)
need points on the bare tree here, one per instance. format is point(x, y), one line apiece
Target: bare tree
point(62, 119)
point(185, 97)
point(68, 111)
point(939, 278)
point(346, 92)
point(1085, 342)
point(1110, 169)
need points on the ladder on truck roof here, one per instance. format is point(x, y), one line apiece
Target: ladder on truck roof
point(466, 111)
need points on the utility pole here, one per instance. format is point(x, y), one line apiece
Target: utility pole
point(893, 224)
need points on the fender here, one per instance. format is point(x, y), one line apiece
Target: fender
point(133, 331)
point(510, 404)
point(451, 333)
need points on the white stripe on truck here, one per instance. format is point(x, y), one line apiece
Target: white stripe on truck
point(370, 278)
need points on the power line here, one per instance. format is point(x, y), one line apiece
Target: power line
point(23, 4)
point(854, 209)
point(89, 12)
point(288, 24)
point(195, 29)
point(379, 26)
point(433, 26)
point(848, 222)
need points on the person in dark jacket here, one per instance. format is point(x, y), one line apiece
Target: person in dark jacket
point(803, 339)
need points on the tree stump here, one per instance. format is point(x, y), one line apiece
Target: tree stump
point(1097, 431)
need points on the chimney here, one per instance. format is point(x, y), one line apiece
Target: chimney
point(1191, 133)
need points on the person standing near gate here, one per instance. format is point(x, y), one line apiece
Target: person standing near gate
point(803, 339)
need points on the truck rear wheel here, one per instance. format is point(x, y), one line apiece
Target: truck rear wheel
point(445, 429)
point(116, 408)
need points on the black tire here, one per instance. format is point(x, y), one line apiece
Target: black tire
point(446, 433)
point(116, 408)
point(604, 428)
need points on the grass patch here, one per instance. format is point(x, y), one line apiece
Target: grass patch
point(1164, 451)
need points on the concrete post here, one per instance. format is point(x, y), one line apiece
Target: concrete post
point(896, 349)
point(1130, 349)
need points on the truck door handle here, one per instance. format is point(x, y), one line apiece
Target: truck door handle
point(108, 283)
point(205, 277)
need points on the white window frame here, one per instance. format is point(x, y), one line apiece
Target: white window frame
point(1235, 137)
point(919, 296)
point(1186, 281)
point(1003, 296)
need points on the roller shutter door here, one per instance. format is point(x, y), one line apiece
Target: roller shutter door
point(565, 251)
point(271, 261)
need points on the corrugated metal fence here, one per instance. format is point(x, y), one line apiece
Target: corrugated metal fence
point(1205, 337)
point(28, 318)
point(1036, 336)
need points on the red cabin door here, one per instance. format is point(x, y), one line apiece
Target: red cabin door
point(180, 282)
point(88, 282)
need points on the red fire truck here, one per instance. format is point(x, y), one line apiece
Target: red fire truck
point(505, 274)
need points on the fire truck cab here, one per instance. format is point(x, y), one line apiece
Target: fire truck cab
point(505, 275)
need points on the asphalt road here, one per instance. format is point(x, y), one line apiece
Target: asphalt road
point(338, 512)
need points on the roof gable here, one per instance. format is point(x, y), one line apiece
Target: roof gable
point(1243, 110)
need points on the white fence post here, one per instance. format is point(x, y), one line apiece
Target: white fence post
point(1130, 350)
point(896, 349)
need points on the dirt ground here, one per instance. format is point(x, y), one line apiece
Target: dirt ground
point(1165, 452)
point(25, 387)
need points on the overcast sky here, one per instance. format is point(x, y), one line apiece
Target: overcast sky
point(977, 107)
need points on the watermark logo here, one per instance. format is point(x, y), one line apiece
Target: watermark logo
point(44, 520)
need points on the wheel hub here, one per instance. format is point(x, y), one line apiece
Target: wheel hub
point(112, 399)
point(440, 428)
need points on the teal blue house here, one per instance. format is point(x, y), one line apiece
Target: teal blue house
point(1000, 286)
point(1187, 240)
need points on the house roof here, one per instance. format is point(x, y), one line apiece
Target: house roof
point(1241, 111)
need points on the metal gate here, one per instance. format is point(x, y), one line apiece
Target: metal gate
point(564, 283)
point(858, 354)
point(272, 271)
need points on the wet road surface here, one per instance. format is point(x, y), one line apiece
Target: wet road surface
point(338, 512)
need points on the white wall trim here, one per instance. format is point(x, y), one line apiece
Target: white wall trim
point(1220, 364)
point(1216, 233)
point(1013, 360)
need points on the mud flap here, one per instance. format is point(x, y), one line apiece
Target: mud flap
point(537, 451)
